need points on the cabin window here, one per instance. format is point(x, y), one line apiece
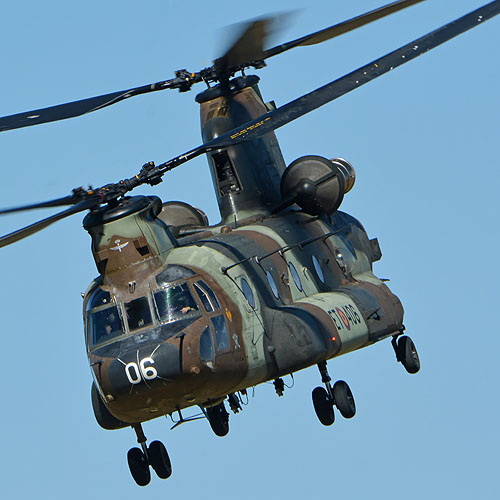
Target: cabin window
point(104, 324)
point(221, 333)
point(138, 313)
point(207, 353)
point(272, 284)
point(317, 268)
point(247, 292)
point(175, 302)
point(295, 276)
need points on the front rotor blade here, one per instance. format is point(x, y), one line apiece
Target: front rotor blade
point(341, 28)
point(75, 108)
point(38, 226)
point(66, 200)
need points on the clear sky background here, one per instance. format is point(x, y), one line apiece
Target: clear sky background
point(424, 141)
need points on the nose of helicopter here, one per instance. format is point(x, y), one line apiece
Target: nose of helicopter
point(144, 366)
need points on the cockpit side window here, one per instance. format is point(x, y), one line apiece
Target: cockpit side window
point(207, 304)
point(138, 313)
point(207, 353)
point(210, 293)
point(175, 302)
point(221, 333)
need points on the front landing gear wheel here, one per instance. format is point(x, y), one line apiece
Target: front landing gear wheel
point(159, 459)
point(323, 406)
point(407, 354)
point(218, 418)
point(344, 400)
point(139, 467)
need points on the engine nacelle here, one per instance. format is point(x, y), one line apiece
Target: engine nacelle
point(179, 215)
point(317, 184)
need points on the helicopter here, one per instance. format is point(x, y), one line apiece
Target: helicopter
point(328, 254)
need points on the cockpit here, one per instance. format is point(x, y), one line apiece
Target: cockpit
point(179, 296)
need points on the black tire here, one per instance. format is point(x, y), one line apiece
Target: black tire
point(159, 459)
point(408, 354)
point(139, 467)
point(102, 414)
point(218, 418)
point(323, 406)
point(344, 400)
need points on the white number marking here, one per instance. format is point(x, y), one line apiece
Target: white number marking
point(135, 373)
point(148, 372)
point(133, 378)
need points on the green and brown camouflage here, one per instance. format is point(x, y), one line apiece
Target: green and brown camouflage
point(187, 314)
point(269, 294)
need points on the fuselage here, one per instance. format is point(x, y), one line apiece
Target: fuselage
point(185, 313)
point(266, 298)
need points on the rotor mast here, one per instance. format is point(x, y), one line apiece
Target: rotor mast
point(246, 177)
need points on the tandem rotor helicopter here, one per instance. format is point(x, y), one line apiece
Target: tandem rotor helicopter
point(186, 314)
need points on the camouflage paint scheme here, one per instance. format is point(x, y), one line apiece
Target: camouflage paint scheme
point(333, 303)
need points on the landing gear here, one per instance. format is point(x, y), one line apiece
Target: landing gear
point(139, 467)
point(344, 399)
point(139, 459)
point(218, 417)
point(159, 459)
point(323, 406)
point(406, 353)
point(324, 400)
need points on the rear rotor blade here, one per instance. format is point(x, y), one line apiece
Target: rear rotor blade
point(317, 98)
point(341, 28)
point(248, 47)
point(299, 107)
point(38, 226)
point(75, 108)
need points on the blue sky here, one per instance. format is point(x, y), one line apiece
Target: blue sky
point(424, 142)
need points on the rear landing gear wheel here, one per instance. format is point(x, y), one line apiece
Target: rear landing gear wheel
point(344, 400)
point(139, 467)
point(408, 355)
point(159, 459)
point(323, 406)
point(218, 418)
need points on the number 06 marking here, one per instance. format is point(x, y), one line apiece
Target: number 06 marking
point(135, 373)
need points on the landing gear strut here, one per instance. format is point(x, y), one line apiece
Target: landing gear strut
point(406, 353)
point(325, 399)
point(139, 459)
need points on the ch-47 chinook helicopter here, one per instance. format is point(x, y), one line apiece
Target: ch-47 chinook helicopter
point(185, 314)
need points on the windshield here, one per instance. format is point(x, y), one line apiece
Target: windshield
point(175, 303)
point(138, 313)
point(104, 324)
